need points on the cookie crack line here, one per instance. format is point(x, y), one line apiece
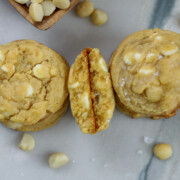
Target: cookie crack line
point(88, 50)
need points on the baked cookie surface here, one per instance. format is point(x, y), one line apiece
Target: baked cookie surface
point(145, 71)
point(91, 93)
point(33, 85)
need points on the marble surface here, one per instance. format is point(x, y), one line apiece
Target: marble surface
point(124, 151)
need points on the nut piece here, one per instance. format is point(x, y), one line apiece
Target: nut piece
point(36, 12)
point(154, 94)
point(57, 160)
point(84, 8)
point(27, 142)
point(162, 151)
point(169, 49)
point(48, 7)
point(22, 1)
point(99, 17)
point(62, 4)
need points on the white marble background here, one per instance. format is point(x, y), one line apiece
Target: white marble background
point(124, 151)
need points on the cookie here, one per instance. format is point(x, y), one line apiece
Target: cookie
point(91, 93)
point(145, 71)
point(33, 85)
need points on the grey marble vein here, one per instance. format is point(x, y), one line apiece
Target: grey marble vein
point(162, 11)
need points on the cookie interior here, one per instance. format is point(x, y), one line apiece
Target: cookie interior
point(91, 94)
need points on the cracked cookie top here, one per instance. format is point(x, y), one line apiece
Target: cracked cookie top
point(33, 82)
point(145, 71)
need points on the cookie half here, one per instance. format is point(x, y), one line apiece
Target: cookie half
point(145, 71)
point(33, 85)
point(91, 93)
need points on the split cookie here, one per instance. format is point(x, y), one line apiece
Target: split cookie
point(91, 93)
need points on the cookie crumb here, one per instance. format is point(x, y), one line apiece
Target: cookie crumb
point(148, 140)
point(139, 152)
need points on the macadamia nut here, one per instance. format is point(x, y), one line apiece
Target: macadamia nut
point(57, 160)
point(62, 4)
point(48, 7)
point(36, 12)
point(84, 8)
point(99, 17)
point(27, 142)
point(22, 1)
point(162, 151)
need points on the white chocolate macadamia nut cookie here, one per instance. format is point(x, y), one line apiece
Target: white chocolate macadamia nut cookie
point(91, 93)
point(33, 85)
point(145, 71)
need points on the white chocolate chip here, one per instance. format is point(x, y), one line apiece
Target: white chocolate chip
point(75, 85)
point(57, 160)
point(138, 57)
point(159, 38)
point(103, 64)
point(127, 59)
point(29, 90)
point(2, 57)
point(8, 68)
point(169, 49)
point(150, 57)
point(4, 68)
point(86, 100)
point(27, 142)
point(146, 70)
point(41, 71)
point(123, 83)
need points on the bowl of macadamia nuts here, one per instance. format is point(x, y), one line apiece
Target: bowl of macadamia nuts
point(43, 14)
